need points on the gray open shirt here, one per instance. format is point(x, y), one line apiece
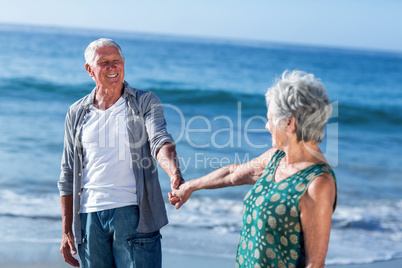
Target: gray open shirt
point(147, 133)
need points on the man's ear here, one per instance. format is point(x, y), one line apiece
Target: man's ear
point(89, 69)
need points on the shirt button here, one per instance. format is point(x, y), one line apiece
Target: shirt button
point(79, 193)
point(78, 212)
point(79, 174)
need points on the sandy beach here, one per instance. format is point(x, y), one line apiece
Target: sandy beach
point(187, 261)
point(46, 255)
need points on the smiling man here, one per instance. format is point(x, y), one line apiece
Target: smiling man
point(111, 200)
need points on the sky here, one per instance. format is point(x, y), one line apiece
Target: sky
point(361, 24)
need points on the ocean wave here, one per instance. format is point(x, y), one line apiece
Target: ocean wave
point(348, 113)
point(381, 215)
point(360, 114)
point(29, 205)
point(368, 224)
point(32, 217)
point(345, 113)
point(34, 88)
point(354, 228)
point(216, 99)
point(208, 213)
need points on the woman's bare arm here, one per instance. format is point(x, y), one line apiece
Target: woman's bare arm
point(231, 175)
point(316, 208)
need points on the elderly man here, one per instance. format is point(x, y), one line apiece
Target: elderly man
point(111, 200)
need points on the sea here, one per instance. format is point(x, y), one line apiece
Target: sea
point(213, 96)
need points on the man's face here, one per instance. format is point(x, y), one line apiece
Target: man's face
point(108, 68)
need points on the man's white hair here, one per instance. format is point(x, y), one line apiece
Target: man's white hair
point(92, 47)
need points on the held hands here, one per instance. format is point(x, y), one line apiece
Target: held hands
point(176, 180)
point(180, 195)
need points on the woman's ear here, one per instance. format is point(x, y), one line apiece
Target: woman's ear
point(291, 124)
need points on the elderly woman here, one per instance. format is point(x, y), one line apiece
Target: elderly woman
point(287, 214)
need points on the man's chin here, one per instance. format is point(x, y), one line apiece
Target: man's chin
point(112, 83)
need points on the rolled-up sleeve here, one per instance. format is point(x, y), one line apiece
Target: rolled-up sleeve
point(65, 183)
point(155, 123)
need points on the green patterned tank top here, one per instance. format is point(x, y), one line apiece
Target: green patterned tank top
point(271, 235)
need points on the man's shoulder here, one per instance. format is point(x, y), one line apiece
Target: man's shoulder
point(138, 93)
point(83, 102)
point(142, 95)
point(78, 106)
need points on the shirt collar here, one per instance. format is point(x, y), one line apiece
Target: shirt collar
point(89, 100)
point(129, 90)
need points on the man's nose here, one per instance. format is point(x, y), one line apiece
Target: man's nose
point(111, 66)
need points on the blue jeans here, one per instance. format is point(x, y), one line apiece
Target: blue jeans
point(110, 239)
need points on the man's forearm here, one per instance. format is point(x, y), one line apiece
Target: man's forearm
point(167, 158)
point(67, 212)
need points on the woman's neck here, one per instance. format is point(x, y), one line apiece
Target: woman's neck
point(298, 152)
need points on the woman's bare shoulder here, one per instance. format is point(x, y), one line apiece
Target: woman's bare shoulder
point(322, 188)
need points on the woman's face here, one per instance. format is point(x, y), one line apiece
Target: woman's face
point(279, 137)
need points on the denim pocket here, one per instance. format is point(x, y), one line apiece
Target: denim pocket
point(146, 251)
point(144, 242)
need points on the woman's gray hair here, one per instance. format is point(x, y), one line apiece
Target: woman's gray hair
point(300, 95)
point(92, 47)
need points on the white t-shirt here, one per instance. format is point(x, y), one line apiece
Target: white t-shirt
point(108, 179)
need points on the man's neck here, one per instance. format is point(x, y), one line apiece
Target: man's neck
point(106, 97)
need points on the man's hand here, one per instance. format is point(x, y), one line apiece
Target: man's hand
point(67, 249)
point(67, 240)
point(175, 181)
